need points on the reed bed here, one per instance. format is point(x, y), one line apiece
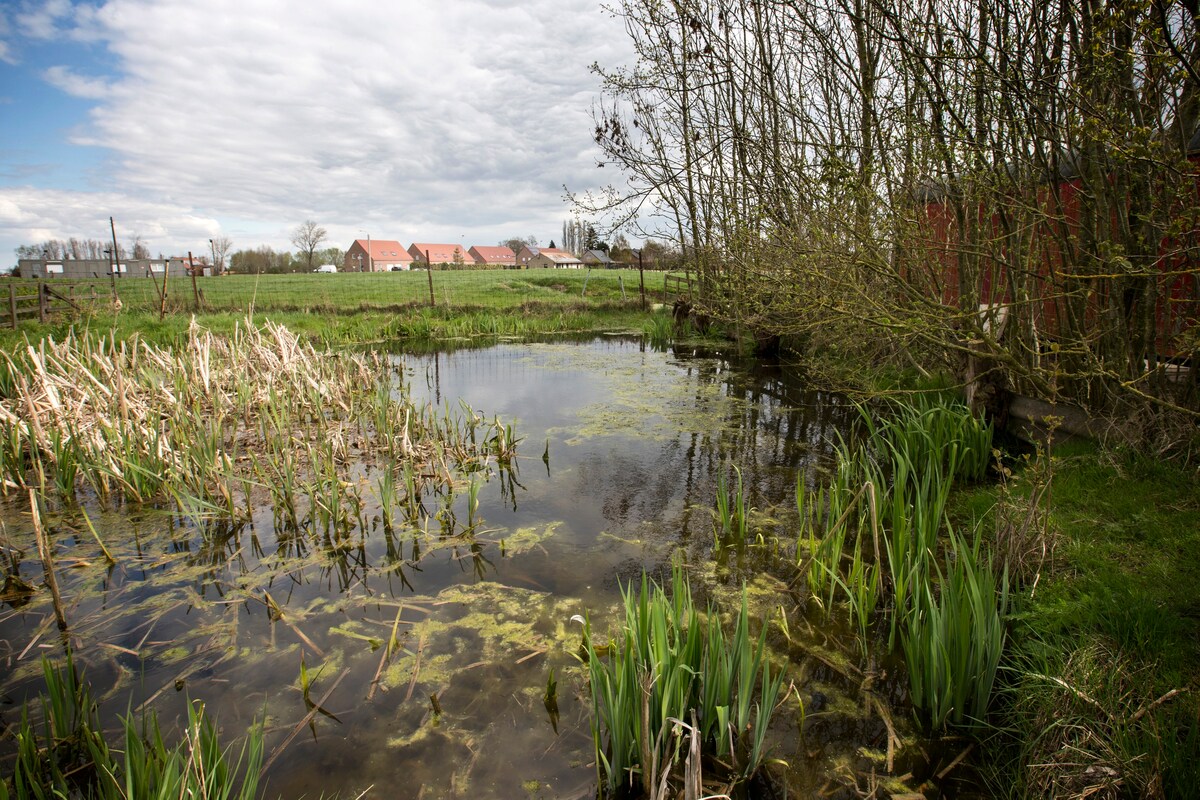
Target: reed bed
point(869, 544)
point(219, 421)
point(674, 691)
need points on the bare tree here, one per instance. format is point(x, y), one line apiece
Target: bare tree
point(516, 243)
point(307, 238)
point(139, 250)
point(221, 246)
point(830, 167)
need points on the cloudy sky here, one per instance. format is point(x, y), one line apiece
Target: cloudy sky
point(416, 120)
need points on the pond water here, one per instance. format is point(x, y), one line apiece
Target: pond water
point(617, 471)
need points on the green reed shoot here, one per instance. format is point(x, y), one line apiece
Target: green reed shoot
point(733, 511)
point(472, 500)
point(669, 663)
point(388, 495)
point(953, 641)
point(66, 464)
point(69, 756)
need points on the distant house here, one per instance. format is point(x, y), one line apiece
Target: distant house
point(597, 258)
point(553, 258)
point(448, 254)
point(493, 256)
point(527, 254)
point(376, 255)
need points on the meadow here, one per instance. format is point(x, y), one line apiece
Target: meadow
point(355, 308)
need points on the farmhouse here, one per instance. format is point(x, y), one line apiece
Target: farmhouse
point(597, 258)
point(493, 256)
point(552, 257)
point(425, 253)
point(376, 255)
point(527, 254)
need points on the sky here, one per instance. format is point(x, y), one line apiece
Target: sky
point(455, 121)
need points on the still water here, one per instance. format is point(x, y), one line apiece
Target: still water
point(622, 451)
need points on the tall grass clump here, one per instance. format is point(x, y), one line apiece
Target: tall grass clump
point(673, 690)
point(659, 329)
point(953, 638)
point(870, 543)
point(69, 756)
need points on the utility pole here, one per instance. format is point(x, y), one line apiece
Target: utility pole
point(116, 256)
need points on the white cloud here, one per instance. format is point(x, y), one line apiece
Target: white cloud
point(411, 119)
point(6, 52)
point(76, 85)
point(41, 20)
point(57, 214)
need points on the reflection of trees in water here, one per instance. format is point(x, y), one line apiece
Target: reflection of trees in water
point(774, 427)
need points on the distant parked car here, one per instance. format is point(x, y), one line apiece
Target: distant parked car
point(326, 268)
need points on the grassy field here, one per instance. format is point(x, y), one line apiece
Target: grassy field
point(359, 307)
point(356, 291)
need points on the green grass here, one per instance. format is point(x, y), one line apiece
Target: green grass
point(364, 307)
point(1111, 628)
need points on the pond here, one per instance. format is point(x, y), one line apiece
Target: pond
point(426, 647)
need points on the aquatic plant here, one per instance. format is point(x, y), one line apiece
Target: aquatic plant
point(733, 511)
point(933, 431)
point(659, 329)
point(953, 640)
point(672, 664)
point(871, 540)
point(70, 756)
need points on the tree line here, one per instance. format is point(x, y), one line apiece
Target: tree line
point(793, 152)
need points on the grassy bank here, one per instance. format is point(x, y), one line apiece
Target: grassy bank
point(1104, 669)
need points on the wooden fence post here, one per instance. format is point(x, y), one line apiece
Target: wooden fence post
point(42, 302)
point(195, 291)
point(642, 279)
point(12, 304)
point(429, 268)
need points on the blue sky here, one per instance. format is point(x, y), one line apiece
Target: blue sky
point(190, 119)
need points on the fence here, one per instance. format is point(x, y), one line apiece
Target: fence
point(497, 289)
point(29, 299)
point(677, 285)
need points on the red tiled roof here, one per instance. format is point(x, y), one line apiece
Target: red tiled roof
point(438, 253)
point(385, 250)
point(494, 255)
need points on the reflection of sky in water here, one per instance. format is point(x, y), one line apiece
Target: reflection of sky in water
point(637, 437)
